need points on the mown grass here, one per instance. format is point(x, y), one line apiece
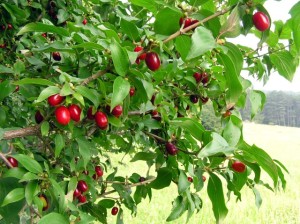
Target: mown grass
point(283, 143)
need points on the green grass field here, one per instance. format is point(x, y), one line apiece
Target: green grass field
point(283, 143)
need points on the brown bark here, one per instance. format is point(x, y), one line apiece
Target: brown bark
point(23, 132)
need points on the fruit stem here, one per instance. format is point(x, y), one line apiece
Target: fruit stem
point(155, 136)
point(2, 156)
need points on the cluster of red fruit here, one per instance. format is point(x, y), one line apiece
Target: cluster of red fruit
point(187, 22)
point(151, 58)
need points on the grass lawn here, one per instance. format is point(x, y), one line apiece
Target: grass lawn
point(283, 143)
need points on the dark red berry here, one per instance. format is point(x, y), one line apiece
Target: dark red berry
point(44, 35)
point(62, 115)
point(13, 161)
point(55, 100)
point(152, 61)
point(204, 78)
point(76, 193)
point(194, 98)
point(261, 21)
point(2, 46)
point(81, 198)
point(38, 117)
point(90, 114)
point(9, 26)
point(56, 56)
point(82, 186)
point(75, 112)
point(131, 91)
point(203, 178)
point(138, 49)
point(238, 166)
point(197, 77)
point(101, 120)
point(84, 22)
point(114, 210)
point(171, 149)
point(190, 179)
point(117, 111)
point(99, 171)
point(142, 179)
point(204, 100)
point(187, 22)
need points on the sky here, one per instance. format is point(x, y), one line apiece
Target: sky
point(278, 10)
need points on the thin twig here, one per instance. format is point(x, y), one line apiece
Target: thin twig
point(93, 77)
point(2, 156)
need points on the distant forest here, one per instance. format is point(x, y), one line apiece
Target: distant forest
point(281, 108)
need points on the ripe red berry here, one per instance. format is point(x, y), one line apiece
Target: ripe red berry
point(81, 198)
point(187, 22)
point(2, 46)
point(99, 171)
point(194, 98)
point(38, 117)
point(44, 35)
point(3, 27)
point(138, 49)
point(84, 22)
point(227, 113)
point(152, 61)
point(131, 91)
point(90, 114)
point(62, 115)
point(75, 112)
point(9, 26)
point(13, 161)
point(101, 120)
point(82, 186)
point(44, 199)
point(204, 78)
point(114, 210)
point(190, 179)
point(261, 21)
point(56, 56)
point(197, 77)
point(171, 149)
point(238, 166)
point(17, 88)
point(142, 179)
point(55, 100)
point(204, 99)
point(203, 178)
point(76, 193)
point(117, 111)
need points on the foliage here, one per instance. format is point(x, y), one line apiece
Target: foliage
point(84, 51)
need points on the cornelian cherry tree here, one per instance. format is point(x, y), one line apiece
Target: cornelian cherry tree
point(84, 80)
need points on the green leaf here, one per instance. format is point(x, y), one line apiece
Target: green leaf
point(234, 86)
point(40, 27)
point(28, 177)
point(6, 89)
point(163, 179)
point(167, 21)
point(257, 99)
point(216, 196)
point(191, 125)
point(183, 183)
point(183, 44)
point(120, 58)
point(121, 89)
point(59, 144)
point(35, 61)
point(231, 27)
point(4, 69)
point(58, 194)
point(144, 156)
point(19, 67)
point(296, 35)
point(202, 41)
point(90, 94)
point(45, 127)
point(49, 91)
point(31, 190)
point(217, 145)
point(35, 81)
point(89, 46)
point(84, 150)
point(197, 2)
point(29, 163)
point(258, 199)
point(16, 172)
point(233, 130)
point(66, 90)
point(180, 205)
point(263, 159)
point(148, 4)
point(16, 194)
point(283, 61)
point(236, 55)
point(53, 218)
point(15, 12)
point(107, 203)
point(130, 29)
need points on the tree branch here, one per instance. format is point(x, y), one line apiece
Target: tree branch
point(23, 132)
point(93, 77)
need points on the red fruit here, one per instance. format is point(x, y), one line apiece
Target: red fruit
point(261, 21)
point(190, 179)
point(238, 166)
point(2, 46)
point(43, 198)
point(194, 21)
point(90, 114)
point(99, 171)
point(3, 27)
point(82, 186)
point(131, 91)
point(56, 99)
point(204, 99)
point(138, 49)
point(142, 179)
point(17, 88)
point(114, 210)
point(44, 35)
point(84, 22)
point(38, 117)
point(101, 120)
point(227, 113)
point(203, 178)
point(197, 77)
point(76, 193)
point(194, 99)
point(75, 112)
point(154, 113)
point(9, 26)
point(12, 161)
point(117, 111)
point(204, 78)
point(86, 172)
point(81, 198)
point(56, 56)
point(171, 149)
point(152, 61)
point(187, 22)
point(62, 115)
